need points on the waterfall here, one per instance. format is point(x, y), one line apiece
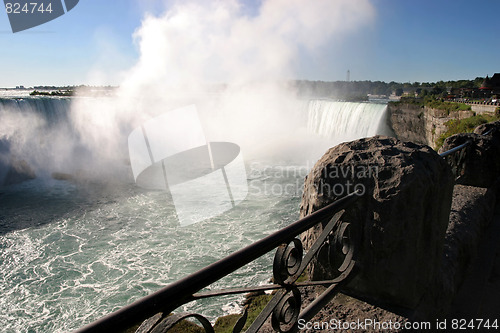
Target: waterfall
point(41, 132)
point(52, 110)
point(346, 121)
point(29, 129)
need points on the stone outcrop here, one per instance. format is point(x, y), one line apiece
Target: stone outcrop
point(400, 221)
point(479, 163)
point(492, 129)
point(407, 122)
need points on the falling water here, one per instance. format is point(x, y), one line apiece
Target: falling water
point(346, 121)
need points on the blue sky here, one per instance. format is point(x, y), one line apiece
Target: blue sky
point(407, 41)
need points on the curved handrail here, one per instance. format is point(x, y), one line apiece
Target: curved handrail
point(455, 149)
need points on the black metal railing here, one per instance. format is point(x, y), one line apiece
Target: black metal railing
point(154, 311)
point(456, 157)
point(455, 149)
point(462, 146)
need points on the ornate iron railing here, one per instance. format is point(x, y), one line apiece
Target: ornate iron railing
point(154, 311)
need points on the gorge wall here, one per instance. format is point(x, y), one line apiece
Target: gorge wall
point(421, 124)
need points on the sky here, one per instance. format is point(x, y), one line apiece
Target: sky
point(102, 42)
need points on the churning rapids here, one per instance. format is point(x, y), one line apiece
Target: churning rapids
point(73, 250)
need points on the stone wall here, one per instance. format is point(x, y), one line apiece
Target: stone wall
point(482, 108)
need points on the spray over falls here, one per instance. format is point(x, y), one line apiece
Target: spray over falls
point(50, 135)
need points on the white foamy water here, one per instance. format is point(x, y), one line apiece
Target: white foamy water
point(92, 255)
point(73, 251)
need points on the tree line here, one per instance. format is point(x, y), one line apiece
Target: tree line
point(346, 89)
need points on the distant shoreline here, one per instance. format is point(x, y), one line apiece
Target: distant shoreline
point(49, 91)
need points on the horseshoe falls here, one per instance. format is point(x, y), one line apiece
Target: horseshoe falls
point(346, 121)
point(74, 248)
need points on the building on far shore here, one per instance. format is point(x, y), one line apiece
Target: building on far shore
point(491, 86)
point(487, 92)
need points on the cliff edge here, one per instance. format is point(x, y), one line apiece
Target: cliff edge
point(427, 247)
point(421, 124)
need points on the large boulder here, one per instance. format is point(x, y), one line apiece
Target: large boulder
point(399, 222)
point(479, 163)
point(492, 129)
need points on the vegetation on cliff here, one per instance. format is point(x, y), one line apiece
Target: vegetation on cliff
point(256, 303)
point(434, 103)
point(467, 125)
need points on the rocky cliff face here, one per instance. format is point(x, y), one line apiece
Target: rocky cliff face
point(407, 121)
point(421, 124)
point(400, 221)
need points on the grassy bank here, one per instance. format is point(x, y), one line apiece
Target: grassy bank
point(434, 104)
point(467, 125)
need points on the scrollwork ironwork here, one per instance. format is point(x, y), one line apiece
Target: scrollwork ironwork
point(287, 262)
point(240, 324)
point(168, 322)
point(285, 315)
point(161, 324)
point(339, 248)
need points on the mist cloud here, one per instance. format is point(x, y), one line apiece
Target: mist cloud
point(193, 45)
point(196, 42)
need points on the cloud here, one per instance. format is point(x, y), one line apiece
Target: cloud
point(196, 42)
